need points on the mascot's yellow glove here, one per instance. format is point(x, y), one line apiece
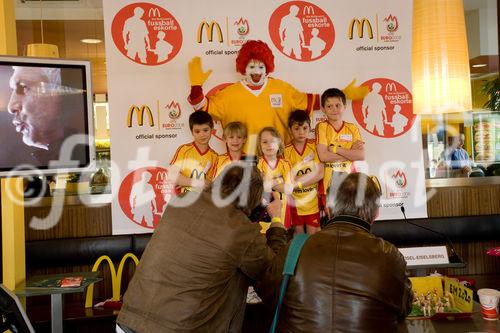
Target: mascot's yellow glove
point(196, 75)
point(355, 93)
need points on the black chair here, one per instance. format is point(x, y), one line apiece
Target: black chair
point(493, 169)
point(476, 172)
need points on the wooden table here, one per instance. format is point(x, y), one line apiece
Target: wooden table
point(32, 287)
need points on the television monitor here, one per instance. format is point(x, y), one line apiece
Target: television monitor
point(46, 116)
point(12, 313)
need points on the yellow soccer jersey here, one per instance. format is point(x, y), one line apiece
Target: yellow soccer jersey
point(269, 106)
point(194, 164)
point(345, 137)
point(302, 162)
point(223, 161)
point(280, 172)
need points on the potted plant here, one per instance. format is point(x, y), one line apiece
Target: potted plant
point(492, 90)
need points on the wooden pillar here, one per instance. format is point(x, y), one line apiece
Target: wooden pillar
point(13, 245)
point(8, 37)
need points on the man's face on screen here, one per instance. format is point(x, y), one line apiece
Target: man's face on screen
point(35, 107)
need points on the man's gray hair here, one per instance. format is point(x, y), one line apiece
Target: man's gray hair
point(357, 195)
point(53, 75)
point(241, 184)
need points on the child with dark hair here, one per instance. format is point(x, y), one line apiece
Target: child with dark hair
point(200, 118)
point(193, 164)
point(307, 171)
point(338, 142)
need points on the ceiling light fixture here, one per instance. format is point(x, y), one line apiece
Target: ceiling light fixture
point(91, 41)
point(42, 49)
point(440, 60)
point(479, 65)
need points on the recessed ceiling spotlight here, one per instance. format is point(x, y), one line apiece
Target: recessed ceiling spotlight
point(479, 65)
point(91, 41)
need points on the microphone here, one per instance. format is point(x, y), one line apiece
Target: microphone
point(454, 258)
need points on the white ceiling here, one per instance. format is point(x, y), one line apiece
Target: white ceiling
point(90, 9)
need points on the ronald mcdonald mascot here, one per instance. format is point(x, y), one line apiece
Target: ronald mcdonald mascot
point(257, 100)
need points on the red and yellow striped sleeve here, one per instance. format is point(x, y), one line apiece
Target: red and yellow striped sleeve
point(178, 155)
point(321, 137)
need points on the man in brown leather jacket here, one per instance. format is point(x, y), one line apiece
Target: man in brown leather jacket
point(195, 272)
point(347, 279)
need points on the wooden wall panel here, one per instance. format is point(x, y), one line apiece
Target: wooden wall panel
point(464, 201)
point(81, 221)
point(76, 221)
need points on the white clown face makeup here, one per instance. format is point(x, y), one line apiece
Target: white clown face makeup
point(255, 73)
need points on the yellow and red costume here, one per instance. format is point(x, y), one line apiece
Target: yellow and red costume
point(257, 106)
point(266, 103)
point(194, 163)
point(269, 106)
point(306, 199)
point(344, 138)
point(280, 173)
point(223, 161)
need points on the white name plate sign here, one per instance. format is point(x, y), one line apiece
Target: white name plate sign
point(425, 255)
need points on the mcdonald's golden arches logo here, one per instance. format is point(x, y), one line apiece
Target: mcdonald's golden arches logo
point(140, 115)
point(209, 27)
point(391, 86)
point(197, 174)
point(161, 176)
point(116, 277)
point(154, 12)
point(360, 26)
point(304, 172)
point(308, 10)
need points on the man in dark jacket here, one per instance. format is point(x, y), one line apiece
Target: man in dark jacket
point(347, 279)
point(195, 272)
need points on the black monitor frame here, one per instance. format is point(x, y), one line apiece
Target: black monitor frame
point(12, 314)
point(84, 79)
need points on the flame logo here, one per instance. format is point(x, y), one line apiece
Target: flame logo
point(392, 23)
point(242, 27)
point(173, 109)
point(399, 178)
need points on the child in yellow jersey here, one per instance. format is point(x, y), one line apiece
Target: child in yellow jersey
point(235, 135)
point(193, 164)
point(274, 168)
point(338, 142)
point(307, 171)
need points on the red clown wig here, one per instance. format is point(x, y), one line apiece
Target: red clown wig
point(254, 50)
